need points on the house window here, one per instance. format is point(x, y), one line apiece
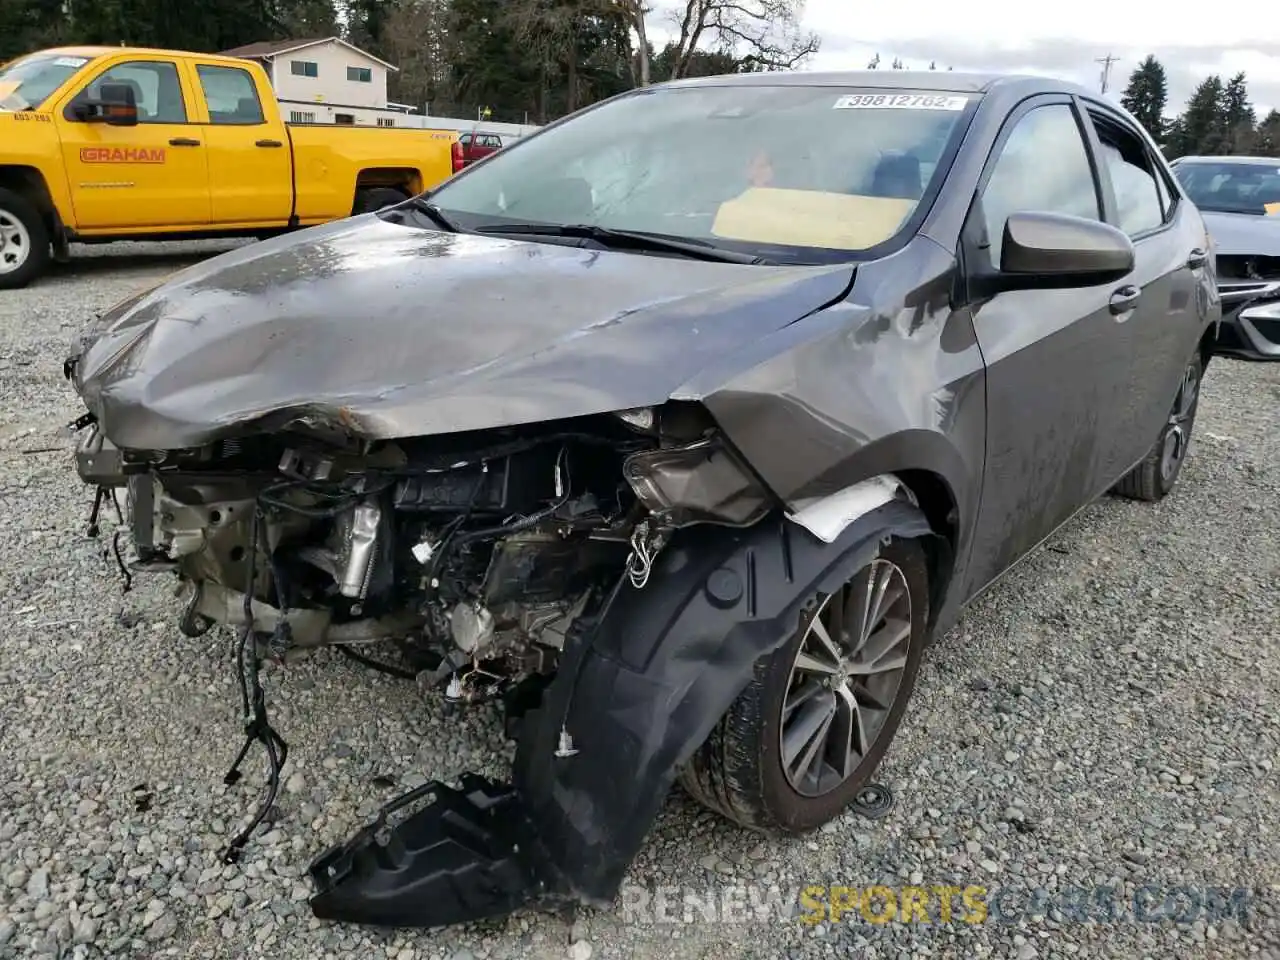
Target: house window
point(299, 116)
point(304, 68)
point(386, 121)
point(360, 74)
point(346, 119)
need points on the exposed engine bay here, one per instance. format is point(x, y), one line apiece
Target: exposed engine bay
point(475, 553)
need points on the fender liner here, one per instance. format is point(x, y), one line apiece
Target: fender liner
point(639, 688)
point(661, 668)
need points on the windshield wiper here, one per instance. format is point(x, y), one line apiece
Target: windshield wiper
point(698, 249)
point(435, 214)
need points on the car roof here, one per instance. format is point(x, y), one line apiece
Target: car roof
point(945, 81)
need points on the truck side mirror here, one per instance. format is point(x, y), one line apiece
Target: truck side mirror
point(116, 105)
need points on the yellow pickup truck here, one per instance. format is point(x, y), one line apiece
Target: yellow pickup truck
point(109, 143)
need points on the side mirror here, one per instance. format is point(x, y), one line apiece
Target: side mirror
point(1047, 250)
point(116, 106)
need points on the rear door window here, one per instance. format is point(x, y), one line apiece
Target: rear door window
point(231, 95)
point(1135, 179)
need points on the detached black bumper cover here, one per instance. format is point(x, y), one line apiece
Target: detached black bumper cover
point(637, 692)
point(460, 858)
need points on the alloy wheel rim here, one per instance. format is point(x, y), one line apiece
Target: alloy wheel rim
point(1178, 431)
point(845, 679)
point(15, 242)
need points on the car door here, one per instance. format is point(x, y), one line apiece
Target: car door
point(1057, 359)
point(149, 175)
point(250, 163)
point(1169, 259)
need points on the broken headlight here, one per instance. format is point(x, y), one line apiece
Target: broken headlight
point(702, 482)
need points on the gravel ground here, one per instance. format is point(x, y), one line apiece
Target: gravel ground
point(1105, 716)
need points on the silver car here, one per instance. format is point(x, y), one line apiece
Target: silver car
point(1240, 200)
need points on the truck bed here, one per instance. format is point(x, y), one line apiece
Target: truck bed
point(324, 155)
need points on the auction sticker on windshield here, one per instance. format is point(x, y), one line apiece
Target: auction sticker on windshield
point(900, 101)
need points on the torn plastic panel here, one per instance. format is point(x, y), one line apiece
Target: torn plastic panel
point(461, 858)
point(638, 689)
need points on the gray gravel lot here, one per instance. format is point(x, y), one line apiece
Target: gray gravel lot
point(1105, 716)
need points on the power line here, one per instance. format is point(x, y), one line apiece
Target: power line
point(1106, 62)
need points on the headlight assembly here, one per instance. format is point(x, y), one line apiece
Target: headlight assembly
point(702, 482)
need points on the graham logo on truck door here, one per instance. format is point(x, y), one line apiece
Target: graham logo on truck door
point(122, 155)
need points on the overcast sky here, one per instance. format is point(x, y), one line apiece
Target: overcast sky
point(1192, 41)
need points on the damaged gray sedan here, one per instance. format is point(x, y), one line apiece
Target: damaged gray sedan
point(676, 429)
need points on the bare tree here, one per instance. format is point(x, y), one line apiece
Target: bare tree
point(765, 34)
point(416, 40)
point(634, 13)
point(553, 31)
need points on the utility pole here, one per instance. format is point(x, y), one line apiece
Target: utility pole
point(1106, 62)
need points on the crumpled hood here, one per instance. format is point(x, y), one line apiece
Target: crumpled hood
point(397, 331)
point(1243, 234)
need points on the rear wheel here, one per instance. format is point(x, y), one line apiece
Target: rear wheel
point(24, 241)
point(810, 729)
point(369, 199)
point(1155, 476)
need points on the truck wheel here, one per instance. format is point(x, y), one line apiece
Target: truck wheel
point(24, 241)
point(810, 729)
point(375, 198)
point(1155, 476)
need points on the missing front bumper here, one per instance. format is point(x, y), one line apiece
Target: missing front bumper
point(464, 856)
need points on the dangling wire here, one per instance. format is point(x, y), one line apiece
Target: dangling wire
point(257, 728)
point(640, 562)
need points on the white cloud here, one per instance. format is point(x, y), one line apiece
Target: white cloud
point(1063, 40)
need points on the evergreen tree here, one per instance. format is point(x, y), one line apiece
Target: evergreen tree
point(308, 19)
point(208, 26)
point(1147, 95)
point(1238, 118)
point(1267, 142)
point(1202, 128)
point(366, 24)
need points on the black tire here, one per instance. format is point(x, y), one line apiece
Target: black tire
point(370, 199)
point(24, 241)
point(1154, 477)
point(739, 772)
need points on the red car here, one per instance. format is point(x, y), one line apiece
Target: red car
point(474, 146)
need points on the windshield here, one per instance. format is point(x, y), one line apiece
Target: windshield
point(1232, 186)
point(785, 172)
point(27, 83)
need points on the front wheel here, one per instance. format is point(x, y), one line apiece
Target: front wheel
point(807, 733)
point(1154, 477)
point(24, 241)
